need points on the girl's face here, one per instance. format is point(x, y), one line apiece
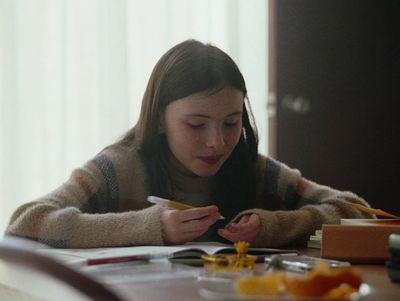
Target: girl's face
point(202, 130)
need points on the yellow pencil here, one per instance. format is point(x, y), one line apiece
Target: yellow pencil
point(170, 204)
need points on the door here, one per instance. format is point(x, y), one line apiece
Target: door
point(334, 77)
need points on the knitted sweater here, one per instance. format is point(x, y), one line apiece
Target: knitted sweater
point(104, 204)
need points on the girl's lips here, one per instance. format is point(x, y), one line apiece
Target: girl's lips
point(210, 160)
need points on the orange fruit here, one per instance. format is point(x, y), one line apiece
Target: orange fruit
point(266, 285)
point(343, 291)
point(321, 280)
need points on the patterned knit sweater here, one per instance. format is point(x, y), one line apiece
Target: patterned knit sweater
point(104, 204)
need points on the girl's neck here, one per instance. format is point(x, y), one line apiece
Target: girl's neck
point(189, 187)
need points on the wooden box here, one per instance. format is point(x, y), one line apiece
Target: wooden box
point(357, 243)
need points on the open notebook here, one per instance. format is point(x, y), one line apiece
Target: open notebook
point(188, 250)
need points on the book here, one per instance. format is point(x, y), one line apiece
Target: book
point(370, 221)
point(196, 250)
point(193, 250)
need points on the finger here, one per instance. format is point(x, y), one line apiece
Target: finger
point(244, 219)
point(246, 224)
point(227, 235)
point(232, 227)
point(241, 228)
point(199, 224)
point(241, 231)
point(246, 231)
point(251, 227)
point(197, 213)
point(189, 236)
point(236, 228)
point(177, 233)
point(234, 237)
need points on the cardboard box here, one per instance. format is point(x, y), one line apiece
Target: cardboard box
point(357, 243)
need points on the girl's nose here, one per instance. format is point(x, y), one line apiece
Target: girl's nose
point(215, 138)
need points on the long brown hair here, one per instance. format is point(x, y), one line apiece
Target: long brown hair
point(187, 68)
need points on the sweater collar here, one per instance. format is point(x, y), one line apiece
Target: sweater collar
point(190, 188)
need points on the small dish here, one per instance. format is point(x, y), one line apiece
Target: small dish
point(222, 289)
point(218, 267)
point(229, 262)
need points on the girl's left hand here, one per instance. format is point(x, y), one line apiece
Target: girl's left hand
point(245, 229)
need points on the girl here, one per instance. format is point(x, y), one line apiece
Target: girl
point(196, 142)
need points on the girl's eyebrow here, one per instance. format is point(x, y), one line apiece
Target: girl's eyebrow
point(207, 116)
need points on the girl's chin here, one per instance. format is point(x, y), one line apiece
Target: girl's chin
point(206, 172)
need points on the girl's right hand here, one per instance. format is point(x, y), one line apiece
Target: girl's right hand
point(182, 226)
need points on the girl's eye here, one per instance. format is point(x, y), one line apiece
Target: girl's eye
point(231, 124)
point(196, 126)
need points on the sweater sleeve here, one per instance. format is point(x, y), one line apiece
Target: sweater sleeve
point(82, 213)
point(299, 207)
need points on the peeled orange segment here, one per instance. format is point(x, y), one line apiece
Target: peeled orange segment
point(267, 285)
point(344, 291)
point(321, 280)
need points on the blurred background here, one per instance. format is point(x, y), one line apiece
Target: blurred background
point(72, 75)
point(334, 74)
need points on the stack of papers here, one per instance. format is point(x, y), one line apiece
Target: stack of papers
point(315, 240)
